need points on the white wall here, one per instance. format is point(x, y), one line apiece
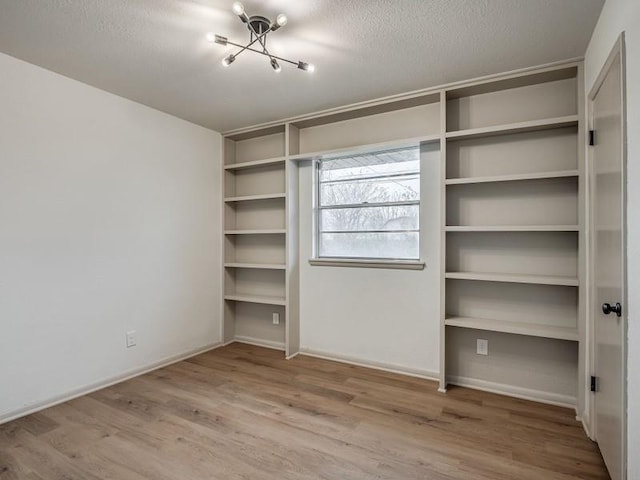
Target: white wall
point(618, 16)
point(109, 221)
point(380, 317)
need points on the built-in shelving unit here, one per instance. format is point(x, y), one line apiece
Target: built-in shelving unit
point(255, 248)
point(511, 216)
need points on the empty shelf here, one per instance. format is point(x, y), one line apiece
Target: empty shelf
point(357, 149)
point(273, 231)
point(518, 328)
point(264, 266)
point(520, 127)
point(512, 178)
point(512, 228)
point(250, 198)
point(256, 299)
point(254, 163)
point(514, 278)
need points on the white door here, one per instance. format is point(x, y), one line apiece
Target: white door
point(608, 165)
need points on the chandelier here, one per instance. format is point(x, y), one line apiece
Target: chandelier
point(259, 27)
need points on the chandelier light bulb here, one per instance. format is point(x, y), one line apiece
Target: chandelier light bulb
point(307, 67)
point(281, 20)
point(211, 37)
point(220, 40)
point(226, 61)
point(276, 66)
point(238, 8)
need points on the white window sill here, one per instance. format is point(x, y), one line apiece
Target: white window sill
point(366, 263)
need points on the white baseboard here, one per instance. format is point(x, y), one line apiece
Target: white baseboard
point(360, 362)
point(584, 420)
point(100, 384)
point(513, 391)
point(259, 342)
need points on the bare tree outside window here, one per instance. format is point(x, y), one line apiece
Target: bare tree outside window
point(368, 205)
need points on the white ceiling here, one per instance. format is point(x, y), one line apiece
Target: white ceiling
point(155, 52)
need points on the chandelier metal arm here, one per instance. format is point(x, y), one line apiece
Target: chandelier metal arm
point(261, 39)
point(247, 47)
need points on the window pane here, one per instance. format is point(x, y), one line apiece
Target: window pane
point(404, 217)
point(395, 189)
point(359, 231)
point(370, 245)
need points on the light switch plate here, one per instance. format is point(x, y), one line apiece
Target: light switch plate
point(131, 339)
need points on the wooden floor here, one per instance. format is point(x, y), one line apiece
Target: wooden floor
point(243, 412)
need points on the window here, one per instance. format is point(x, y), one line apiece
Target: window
point(368, 205)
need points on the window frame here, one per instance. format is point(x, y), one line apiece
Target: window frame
point(413, 263)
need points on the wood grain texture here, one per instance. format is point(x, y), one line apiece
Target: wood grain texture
point(243, 412)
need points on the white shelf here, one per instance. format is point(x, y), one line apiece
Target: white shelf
point(263, 266)
point(520, 127)
point(513, 228)
point(514, 278)
point(273, 231)
point(255, 163)
point(512, 178)
point(256, 299)
point(408, 142)
point(250, 198)
point(518, 328)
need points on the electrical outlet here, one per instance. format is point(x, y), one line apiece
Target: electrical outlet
point(482, 347)
point(131, 339)
point(276, 319)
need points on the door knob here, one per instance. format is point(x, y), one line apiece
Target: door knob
point(607, 308)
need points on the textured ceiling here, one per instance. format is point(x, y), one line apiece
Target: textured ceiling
point(155, 52)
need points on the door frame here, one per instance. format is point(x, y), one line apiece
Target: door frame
point(618, 50)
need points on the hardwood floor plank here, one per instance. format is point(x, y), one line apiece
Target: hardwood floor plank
point(243, 412)
point(36, 423)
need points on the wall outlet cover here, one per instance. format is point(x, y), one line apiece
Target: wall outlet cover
point(482, 346)
point(276, 319)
